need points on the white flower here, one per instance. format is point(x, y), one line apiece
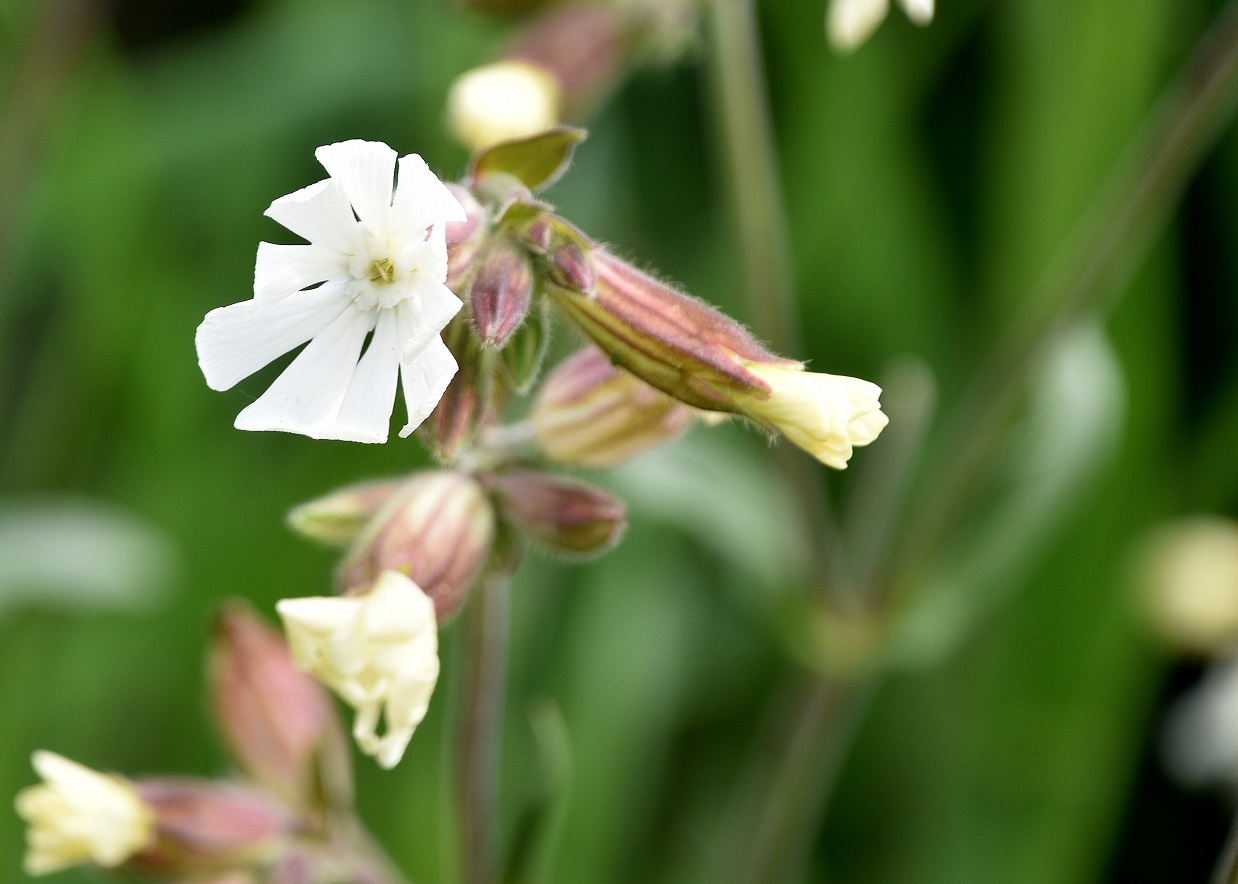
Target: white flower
point(850, 22)
point(1201, 736)
point(502, 101)
point(377, 650)
point(77, 816)
point(378, 259)
point(1191, 578)
point(826, 415)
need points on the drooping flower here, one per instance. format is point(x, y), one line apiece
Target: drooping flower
point(826, 415)
point(691, 351)
point(80, 816)
point(373, 268)
point(850, 23)
point(378, 650)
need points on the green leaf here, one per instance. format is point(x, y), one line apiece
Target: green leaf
point(537, 162)
point(526, 351)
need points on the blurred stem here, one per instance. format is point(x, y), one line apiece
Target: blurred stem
point(791, 773)
point(745, 132)
point(1110, 242)
point(480, 727)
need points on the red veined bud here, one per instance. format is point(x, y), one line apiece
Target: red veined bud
point(469, 402)
point(501, 293)
point(590, 413)
point(337, 518)
point(203, 827)
point(278, 723)
point(580, 45)
point(437, 532)
point(561, 515)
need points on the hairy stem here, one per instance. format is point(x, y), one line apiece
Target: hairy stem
point(480, 728)
point(1109, 244)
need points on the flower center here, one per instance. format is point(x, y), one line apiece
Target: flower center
point(382, 271)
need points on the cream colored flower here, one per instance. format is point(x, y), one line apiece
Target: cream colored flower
point(850, 23)
point(826, 415)
point(1191, 577)
point(378, 650)
point(503, 101)
point(80, 816)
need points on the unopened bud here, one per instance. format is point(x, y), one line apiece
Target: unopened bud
point(203, 827)
point(468, 404)
point(438, 533)
point(590, 413)
point(1190, 574)
point(580, 45)
point(570, 266)
point(503, 101)
point(501, 293)
point(337, 518)
point(561, 515)
point(77, 815)
point(464, 238)
point(277, 722)
point(691, 351)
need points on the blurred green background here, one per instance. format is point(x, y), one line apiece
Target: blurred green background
point(930, 180)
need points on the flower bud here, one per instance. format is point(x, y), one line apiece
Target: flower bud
point(279, 726)
point(464, 238)
point(501, 293)
point(378, 650)
point(438, 533)
point(580, 46)
point(561, 515)
point(1190, 575)
point(337, 518)
point(503, 101)
point(590, 413)
point(468, 404)
point(689, 350)
point(203, 827)
point(80, 816)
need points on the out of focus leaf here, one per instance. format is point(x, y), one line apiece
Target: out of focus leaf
point(536, 162)
point(77, 553)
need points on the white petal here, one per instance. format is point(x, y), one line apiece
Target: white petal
point(850, 22)
point(366, 413)
point(306, 398)
point(423, 317)
point(320, 213)
point(235, 341)
point(919, 11)
point(366, 171)
point(424, 380)
point(421, 200)
point(282, 270)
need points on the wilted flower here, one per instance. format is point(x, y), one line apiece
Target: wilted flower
point(590, 413)
point(850, 22)
point(500, 102)
point(80, 816)
point(378, 650)
point(689, 350)
point(383, 274)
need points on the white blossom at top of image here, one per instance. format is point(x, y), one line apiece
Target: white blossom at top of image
point(849, 23)
point(373, 268)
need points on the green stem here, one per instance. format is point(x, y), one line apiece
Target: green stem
point(481, 726)
point(1106, 249)
point(745, 131)
point(1226, 870)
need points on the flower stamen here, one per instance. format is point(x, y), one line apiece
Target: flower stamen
point(382, 271)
